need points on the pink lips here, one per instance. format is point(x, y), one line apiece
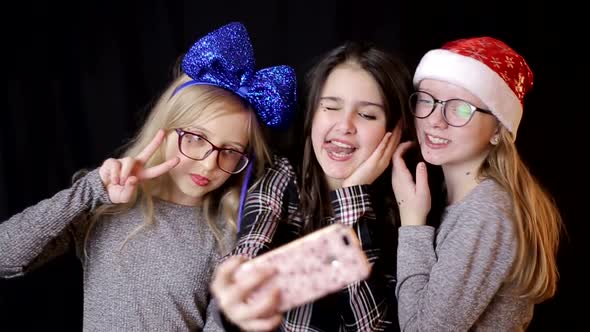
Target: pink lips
point(199, 180)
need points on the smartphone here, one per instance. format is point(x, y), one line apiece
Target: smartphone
point(312, 266)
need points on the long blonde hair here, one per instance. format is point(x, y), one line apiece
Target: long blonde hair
point(180, 111)
point(537, 220)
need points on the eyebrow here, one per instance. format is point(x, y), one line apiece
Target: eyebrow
point(203, 132)
point(362, 103)
point(474, 104)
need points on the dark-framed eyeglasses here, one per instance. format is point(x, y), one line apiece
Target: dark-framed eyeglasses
point(456, 112)
point(197, 147)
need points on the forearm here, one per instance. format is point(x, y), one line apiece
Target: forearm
point(267, 217)
point(25, 235)
point(449, 289)
point(415, 260)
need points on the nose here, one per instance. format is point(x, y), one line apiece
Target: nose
point(210, 161)
point(436, 118)
point(346, 122)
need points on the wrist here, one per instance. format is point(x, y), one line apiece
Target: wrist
point(412, 220)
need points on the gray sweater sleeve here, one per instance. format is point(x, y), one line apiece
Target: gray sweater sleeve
point(41, 230)
point(445, 284)
point(212, 321)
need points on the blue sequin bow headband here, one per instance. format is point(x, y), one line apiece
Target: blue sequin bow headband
point(225, 58)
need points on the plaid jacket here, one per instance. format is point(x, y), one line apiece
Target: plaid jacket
point(270, 220)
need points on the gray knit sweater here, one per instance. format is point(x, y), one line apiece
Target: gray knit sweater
point(453, 280)
point(158, 282)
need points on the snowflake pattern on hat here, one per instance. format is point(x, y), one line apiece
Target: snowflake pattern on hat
point(500, 58)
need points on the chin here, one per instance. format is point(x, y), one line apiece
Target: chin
point(194, 192)
point(432, 161)
point(431, 158)
point(338, 170)
point(337, 174)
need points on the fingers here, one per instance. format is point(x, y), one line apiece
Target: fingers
point(249, 280)
point(149, 150)
point(382, 150)
point(260, 314)
point(224, 273)
point(392, 143)
point(401, 177)
point(224, 287)
point(400, 151)
point(264, 304)
point(397, 159)
point(370, 169)
point(264, 324)
point(127, 165)
point(233, 286)
point(390, 146)
point(397, 134)
point(381, 156)
point(128, 189)
point(109, 172)
point(422, 179)
point(155, 171)
point(104, 174)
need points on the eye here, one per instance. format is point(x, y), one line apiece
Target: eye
point(330, 107)
point(367, 116)
point(194, 138)
point(424, 100)
point(232, 153)
point(463, 110)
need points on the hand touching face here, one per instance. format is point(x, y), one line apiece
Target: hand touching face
point(369, 170)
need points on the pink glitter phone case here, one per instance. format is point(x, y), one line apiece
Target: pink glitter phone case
point(313, 266)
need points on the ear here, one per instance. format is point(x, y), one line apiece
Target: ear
point(496, 138)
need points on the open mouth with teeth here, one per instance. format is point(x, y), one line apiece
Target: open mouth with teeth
point(339, 149)
point(436, 140)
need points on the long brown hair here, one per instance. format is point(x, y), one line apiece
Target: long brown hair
point(393, 78)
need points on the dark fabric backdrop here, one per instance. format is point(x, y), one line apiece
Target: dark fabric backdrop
point(79, 78)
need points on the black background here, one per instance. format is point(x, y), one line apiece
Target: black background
point(79, 78)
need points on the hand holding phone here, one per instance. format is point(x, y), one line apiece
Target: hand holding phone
point(311, 267)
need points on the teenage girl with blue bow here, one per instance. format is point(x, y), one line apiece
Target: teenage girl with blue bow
point(149, 227)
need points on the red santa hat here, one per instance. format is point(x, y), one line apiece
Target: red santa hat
point(486, 67)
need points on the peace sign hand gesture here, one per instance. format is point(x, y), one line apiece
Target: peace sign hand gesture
point(121, 176)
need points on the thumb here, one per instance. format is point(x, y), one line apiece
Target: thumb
point(422, 179)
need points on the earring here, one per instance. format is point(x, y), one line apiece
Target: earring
point(495, 140)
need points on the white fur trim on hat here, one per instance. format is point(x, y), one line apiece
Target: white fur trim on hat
point(477, 78)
